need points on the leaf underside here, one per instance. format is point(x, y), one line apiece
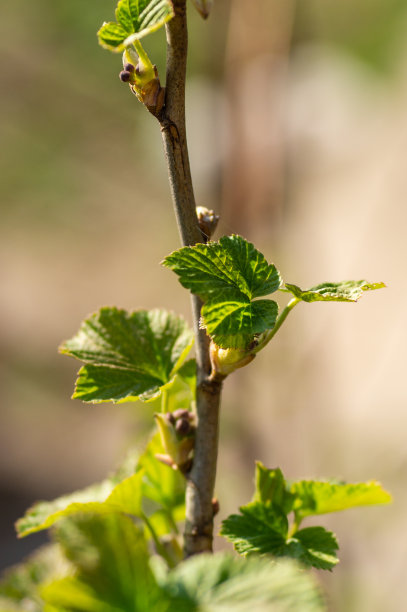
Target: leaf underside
point(128, 356)
point(229, 276)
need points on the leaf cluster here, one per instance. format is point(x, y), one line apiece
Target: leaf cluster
point(263, 526)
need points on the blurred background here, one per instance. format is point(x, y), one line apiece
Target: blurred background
point(297, 127)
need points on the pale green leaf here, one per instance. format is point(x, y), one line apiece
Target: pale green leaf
point(135, 19)
point(105, 498)
point(316, 497)
point(228, 276)
point(222, 583)
point(345, 291)
point(112, 36)
point(21, 583)
point(111, 559)
point(271, 487)
point(128, 356)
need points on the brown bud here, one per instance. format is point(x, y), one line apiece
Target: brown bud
point(182, 427)
point(181, 413)
point(170, 417)
point(215, 506)
point(129, 68)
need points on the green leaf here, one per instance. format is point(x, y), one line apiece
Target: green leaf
point(272, 487)
point(163, 489)
point(112, 568)
point(228, 275)
point(135, 19)
point(112, 36)
point(263, 530)
point(222, 582)
point(313, 497)
point(258, 529)
point(21, 583)
point(345, 291)
point(314, 547)
point(128, 356)
point(104, 498)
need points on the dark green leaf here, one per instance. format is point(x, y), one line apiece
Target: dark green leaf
point(345, 291)
point(315, 547)
point(313, 497)
point(128, 356)
point(228, 275)
point(258, 529)
point(222, 583)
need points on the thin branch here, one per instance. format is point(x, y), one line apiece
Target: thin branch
point(201, 479)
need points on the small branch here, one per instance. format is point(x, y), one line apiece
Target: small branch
point(201, 479)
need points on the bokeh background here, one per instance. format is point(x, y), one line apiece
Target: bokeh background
point(298, 136)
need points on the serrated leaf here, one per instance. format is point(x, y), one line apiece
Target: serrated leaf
point(222, 582)
point(315, 547)
point(228, 275)
point(128, 356)
point(261, 529)
point(319, 497)
point(111, 559)
point(271, 487)
point(112, 36)
point(258, 529)
point(345, 291)
point(221, 319)
point(105, 498)
point(135, 19)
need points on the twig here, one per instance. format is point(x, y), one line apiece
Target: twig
point(201, 479)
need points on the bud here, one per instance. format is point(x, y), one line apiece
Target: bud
point(215, 506)
point(177, 451)
point(203, 7)
point(226, 361)
point(183, 427)
point(125, 76)
point(207, 221)
point(181, 413)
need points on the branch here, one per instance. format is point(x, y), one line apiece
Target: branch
point(201, 479)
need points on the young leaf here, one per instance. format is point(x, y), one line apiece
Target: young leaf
point(313, 497)
point(258, 529)
point(228, 275)
point(314, 547)
point(345, 291)
point(21, 583)
point(263, 530)
point(111, 559)
point(128, 356)
point(222, 582)
point(272, 487)
point(135, 19)
point(104, 498)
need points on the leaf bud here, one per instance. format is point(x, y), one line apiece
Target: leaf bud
point(125, 76)
point(226, 361)
point(177, 451)
point(215, 506)
point(129, 68)
point(181, 413)
point(183, 427)
point(207, 221)
point(203, 7)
